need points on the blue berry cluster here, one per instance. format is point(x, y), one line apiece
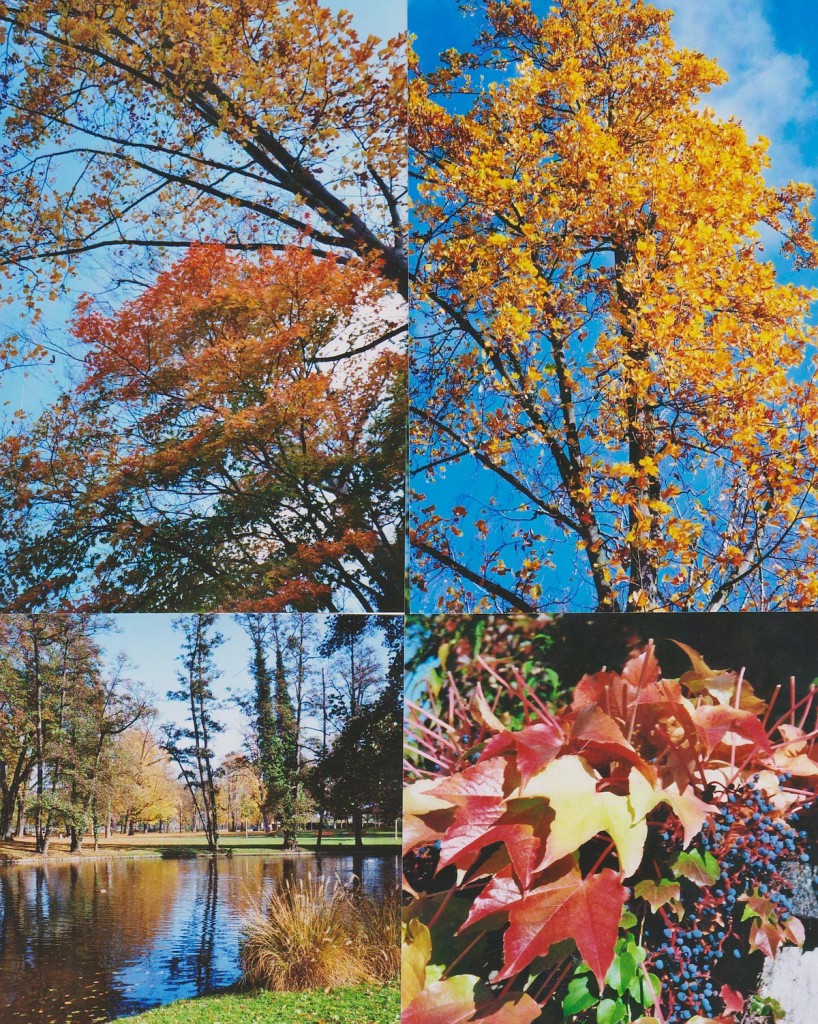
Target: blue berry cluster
point(750, 841)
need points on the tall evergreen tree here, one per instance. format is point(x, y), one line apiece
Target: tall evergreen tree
point(287, 753)
point(275, 724)
point(262, 708)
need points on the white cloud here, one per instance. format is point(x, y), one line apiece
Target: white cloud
point(770, 90)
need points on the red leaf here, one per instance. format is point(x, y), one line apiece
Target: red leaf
point(637, 671)
point(468, 833)
point(586, 910)
point(714, 722)
point(766, 937)
point(423, 830)
point(591, 689)
point(522, 824)
point(535, 744)
point(794, 931)
point(500, 894)
point(482, 780)
point(733, 1001)
point(596, 732)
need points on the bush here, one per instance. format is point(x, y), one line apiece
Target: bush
point(315, 935)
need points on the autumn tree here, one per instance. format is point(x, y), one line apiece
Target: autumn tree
point(101, 709)
point(17, 754)
point(144, 789)
point(614, 382)
point(136, 128)
point(236, 440)
point(189, 745)
point(61, 711)
point(240, 796)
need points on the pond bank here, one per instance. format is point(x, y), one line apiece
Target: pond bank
point(361, 1005)
point(173, 847)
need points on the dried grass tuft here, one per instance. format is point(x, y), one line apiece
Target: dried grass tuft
point(313, 935)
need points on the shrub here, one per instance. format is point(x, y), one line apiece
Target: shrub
point(315, 935)
point(614, 859)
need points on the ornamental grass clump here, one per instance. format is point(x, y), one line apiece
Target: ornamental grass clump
point(315, 935)
point(381, 924)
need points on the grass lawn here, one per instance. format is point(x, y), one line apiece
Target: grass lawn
point(362, 1005)
point(186, 843)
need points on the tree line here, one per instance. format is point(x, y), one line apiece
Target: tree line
point(82, 752)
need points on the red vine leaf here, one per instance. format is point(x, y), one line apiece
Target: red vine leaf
point(536, 745)
point(733, 1000)
point(586, 910)
point(484, 780)
point(713, 723)
point(595, 733)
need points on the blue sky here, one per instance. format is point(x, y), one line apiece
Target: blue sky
point(382, 18)
point(769, 48)
point(152, 647)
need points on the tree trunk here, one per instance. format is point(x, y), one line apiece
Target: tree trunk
point(21, 817)
point(643, 584)
point(77, 836)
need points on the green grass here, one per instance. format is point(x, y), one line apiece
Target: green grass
point(176, 844)
point(362, 1005)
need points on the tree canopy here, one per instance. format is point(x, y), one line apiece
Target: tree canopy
point(133, 126)
point(610, 376)
point(236, 440)
point(229, 181)
point(61, 712)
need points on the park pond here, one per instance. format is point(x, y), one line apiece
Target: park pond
point(99, 939)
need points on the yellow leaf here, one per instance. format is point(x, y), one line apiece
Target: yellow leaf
point(415, 955)
point(689, 809)
point(581, 812)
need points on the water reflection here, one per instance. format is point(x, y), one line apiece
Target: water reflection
point(83, 943)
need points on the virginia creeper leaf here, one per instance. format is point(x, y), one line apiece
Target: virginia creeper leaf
point(701, 869)
point(611, 1011)
point(689, 809)
point(536, 746)
point(415, 955)
point(733, 1000)
point(581, 812)
point(586, 910)
point(658, 893)
point(578, 997)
